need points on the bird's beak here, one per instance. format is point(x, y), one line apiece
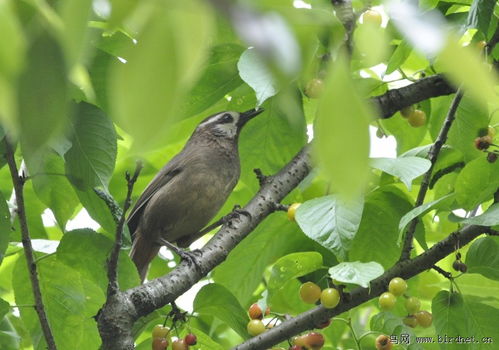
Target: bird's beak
point(247, 116)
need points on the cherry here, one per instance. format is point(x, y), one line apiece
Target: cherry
point(314, 341)
point(255, 327)
point(330, 297)
point(383, 343)
point(417, 118)
point(412, 305)
point(387, 301)
point(314, 88)
point(424, 318)
point(159, 343)
point(292, 211)
point(397, 286)
point(310, 292)
point(410, 321)
point(491, 157)
point(160, 331)
point(191, 339)
point(255, 312)
point(179, 345)
point(483, 142)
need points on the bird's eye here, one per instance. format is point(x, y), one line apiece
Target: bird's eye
point(227, 118)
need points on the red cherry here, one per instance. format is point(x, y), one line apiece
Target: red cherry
point(191, 339)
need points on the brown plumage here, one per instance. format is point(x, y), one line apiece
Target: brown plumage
point(189, 190)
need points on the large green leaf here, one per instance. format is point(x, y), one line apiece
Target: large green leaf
point(483, 257)
point(470, 118)
point(477, 182)
point(42, 95)
point(356, 272)
point(254, 71)
point(13, 42)
point(90, 160)
point(69, 305)
point(75, 15)
point(147, 91)
point(9, 338)
point(53, 188)
point(98, 211)
point(291, 266)
point(480, 14)
point(341, 132)
point(398, 57)
point(215, 300)
point(219, 78)
point(5, 227)
point(423, 209)
point(87, 251)
point(455, 316)
point(489, 218)
point(331, 222)
point(406, 168)
point(376, 239)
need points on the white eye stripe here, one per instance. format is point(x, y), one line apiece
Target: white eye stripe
point(218, 117)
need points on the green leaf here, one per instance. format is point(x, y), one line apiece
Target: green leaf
point(42, 95)
point(291, 266)
point(331, 222)
point(254, 71)
point(4, 308)
point(215, 300)
point(455, 315)
point(407, 137)
point(477, 182)
point(13, 42)
point(75, 15)
point(87, 251)
point(341, 132)
point(53, 188)
point(5, 227)
point(9, 338)
point(147, 91)
point(470, 118)
point(91, 158)
point(398, 57)
point(98, 211)
point(376, 239)
point(219, 78)
point(469, 71)
point(356, 272)
point(68, 305)
point(480, 14)
point(489, 218)
point(406, 168)
point(483, 257)
point(423, 209)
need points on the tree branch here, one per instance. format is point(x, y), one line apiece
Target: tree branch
point(396, 99)
point(116, 318)
point(345, 14)
point(18, 182)
point(405, 269)
point(432, 155)
point(112, 265)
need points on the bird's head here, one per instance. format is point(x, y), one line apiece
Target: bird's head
point(227, 125)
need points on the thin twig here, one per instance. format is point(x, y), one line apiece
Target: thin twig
point(112, 267)
point(18, 183)
point(441, 271)
point(432, 155)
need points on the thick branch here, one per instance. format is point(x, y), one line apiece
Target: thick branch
point(432, 155)
point(405, 269)
point(112, 265)
point(396, 99)
point(18, 182)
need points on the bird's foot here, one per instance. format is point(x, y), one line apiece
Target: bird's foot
point(235, 214)
point(191, 257)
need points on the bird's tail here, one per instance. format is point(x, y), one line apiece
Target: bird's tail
point(142, 253)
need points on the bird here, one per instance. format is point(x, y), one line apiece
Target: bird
point(189, 190)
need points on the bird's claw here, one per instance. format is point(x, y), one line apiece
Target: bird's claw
point(190, 257)
point(235, 214)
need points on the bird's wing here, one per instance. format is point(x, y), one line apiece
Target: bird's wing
point(163, 177)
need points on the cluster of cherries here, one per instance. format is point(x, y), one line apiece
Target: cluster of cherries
point(161, 339)
point(484, 140)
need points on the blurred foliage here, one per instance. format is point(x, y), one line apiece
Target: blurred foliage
point(88, 87)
